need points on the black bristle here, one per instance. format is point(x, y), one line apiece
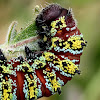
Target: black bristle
point(64, 63)
point(85, 41)
point(21, 59)
point(27, 50)
point(78, 72)
point(3, 59)
point(83, 44)
point(52, 77)
point(25, 68)
point(30, 54)
point(42, 45)
point(33, 98)
point(1, 69)
point(59, 91)
point(40, 54)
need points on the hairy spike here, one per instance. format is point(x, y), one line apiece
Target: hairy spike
point(27, 50)
point(21, 59)
point(59, 91)
point(29, 54)
point(78, 72)
point(3, 59)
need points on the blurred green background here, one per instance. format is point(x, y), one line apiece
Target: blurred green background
point(87, 12)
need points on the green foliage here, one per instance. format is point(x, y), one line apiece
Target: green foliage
point(28, 32)
point(14, 37)
point(11, 32)
point(16, 41)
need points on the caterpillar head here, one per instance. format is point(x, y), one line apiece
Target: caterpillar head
point(55, 21)
point(54, 16)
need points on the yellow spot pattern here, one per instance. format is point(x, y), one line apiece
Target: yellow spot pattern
point(54, 39)
point(6, 69)
point(32, 86)
point(39, 64)
point(52, 79)
point(75, 42)
point(54, 25)
point(49, 56)
point(69, 66)
point(62, 20)
point(26, 65)
point(6, 91)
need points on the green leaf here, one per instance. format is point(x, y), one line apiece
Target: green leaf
point(16, 42)
point(11, 32)
point(26, 33)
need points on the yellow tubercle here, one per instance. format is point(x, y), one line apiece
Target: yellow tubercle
point(45, 38)
point(26, 65)
point(76, 42)
point(6, 69)
point(53, 41)
point(49, 56)
point(32, 86)
point(67, 45)
point(6, 87)
point(39, 63)
point(67, 66)
point(54, 83)
point(61, 20)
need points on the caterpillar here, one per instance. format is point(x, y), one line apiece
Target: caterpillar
point(43, 73)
